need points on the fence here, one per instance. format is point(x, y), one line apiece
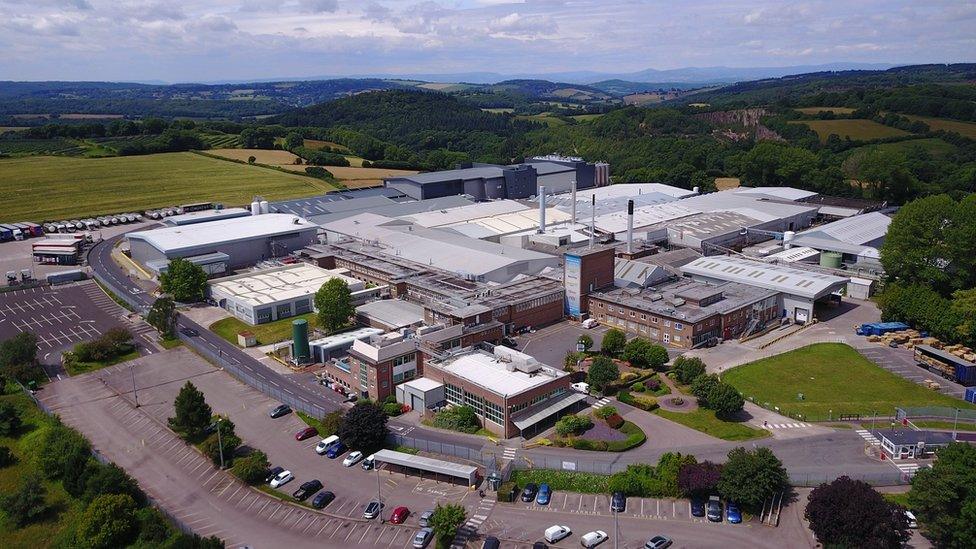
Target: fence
point(937, 412)
point(892, 478)
point(567, 463)
point(464, 452)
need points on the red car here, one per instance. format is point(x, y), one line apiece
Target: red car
point(305, 433)
point(399, 515)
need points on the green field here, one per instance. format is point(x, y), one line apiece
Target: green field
point(42, 188)
point(834, 379)
point(20, 147)
point(856, 129)
point(585, 117)
point(835, 110)
point(705, 421)
point(266, 334)
point(966, 129)
point(546, 118)
point(934, 146)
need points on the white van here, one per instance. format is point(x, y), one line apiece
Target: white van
point(582, 387)
point(590, 323)
point(555, 533)
point(323, 446)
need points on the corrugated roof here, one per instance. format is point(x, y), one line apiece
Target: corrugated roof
point(393, 312)
point(278, 284)
point(793, 254)
point(173, 239)
point(470, 212)
point(633, 189)
point(773, 277)
point(785, 193)
point(859, 229)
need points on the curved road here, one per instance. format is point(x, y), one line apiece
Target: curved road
point(809, 459)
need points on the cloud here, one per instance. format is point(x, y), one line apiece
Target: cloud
point(319, 6)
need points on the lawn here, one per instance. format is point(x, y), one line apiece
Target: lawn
point(944, 425)
point(856, 129)
point(76, 368)
point(75, 187)
point(705, 421)
point(934, 146)
point(834, 379)
point(546, 118)
point(266, 334)
point(585, 117)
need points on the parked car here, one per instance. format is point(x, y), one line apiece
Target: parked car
point(307, 489)
point(306, 433)
point(322, 499)
point(351, 398)
point(589, 323)
point(280, 410)
point(369, 462)
point(732, 513)
point(425, 517)
point(618, 502)
point(544, 495)
point(326, 443)
point(593, 539)
point(353, 458)
point(189, 332)
point(281, 479)
point(272, 473)
point(399, 515)
point(422, 537)
point(336, 450)
point(372, 510)
point(491, 542)
point(714, 512)
point(658, 542)
point(912, 521)
point(582, 387)
point(528, 493)
point(509, 342)
point(556, 532)
point(697, 507)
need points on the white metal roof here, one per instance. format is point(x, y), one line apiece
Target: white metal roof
point(633, 189)
point(785, 193)
point(478, 210)
point(859, 229)
point(172, 239)
point(205, 216)
point(644, 216)
point(393, 312)
point(547, 408)
point(793, 255)
point(491, 372)
point(449, 468)
point(787, 280)
point(345, 338)
point(278, 284)
point(508, 223)
point(424, 384)
point(730, 200)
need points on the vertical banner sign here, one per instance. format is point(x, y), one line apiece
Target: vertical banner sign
point(571, 280)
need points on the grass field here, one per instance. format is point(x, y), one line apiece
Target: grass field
point(74, 187)
point(318, 144)
point(835, 380)
point(934, 146)
point(835, 110)
point(344, 172)
point(282, 159)
point(58, 146)
point(266, 334)
point(585, 117)
point(222, 140)
point(546, 118)
point(499, 110)
point(856, 129)
point(966, 129)
point(76, 368)
point(705, 421)
point(944, 425)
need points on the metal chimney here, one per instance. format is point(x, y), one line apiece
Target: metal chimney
point(592, 218)
point(630, 226)
point(574, 202)
point(542, 209)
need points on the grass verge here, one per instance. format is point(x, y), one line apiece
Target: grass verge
point(170, 343)
point(76, 368)
point(705, 421)
point(266, 334)
point(944, 425)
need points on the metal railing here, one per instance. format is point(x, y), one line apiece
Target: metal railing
point(464, 452)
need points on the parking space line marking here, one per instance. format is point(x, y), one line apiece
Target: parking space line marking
point(366, 531)
point(396, 532)
point(324, 526)
point(351, 530)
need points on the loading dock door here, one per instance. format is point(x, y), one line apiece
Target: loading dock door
point(413, 401)
point(801, 315)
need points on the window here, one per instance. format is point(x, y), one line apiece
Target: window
point(654, 320)
point(303, 306)
point(401, 360)
point(632, 314)
point(667, 323)
point(600, 305)
point(643, 316)
point(453, 394)
point(667, 338)
point(610, 308)
point(386, 384)
point(679, 326)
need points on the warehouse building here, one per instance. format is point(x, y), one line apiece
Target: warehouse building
point(245, 240)
point(799, 290)
point(390, 314)
point(853, 241)
point(683, 313)
point(205, 216)
point(281, 292)
point(512, 393)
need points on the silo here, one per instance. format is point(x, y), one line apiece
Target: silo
point(265, 207)
point(830, 259)
point(255, 207)
point(788, 237)
point(299, 341)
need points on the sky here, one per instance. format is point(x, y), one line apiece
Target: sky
point(211, 40)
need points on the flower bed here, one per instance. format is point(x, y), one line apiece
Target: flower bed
point(626, 437)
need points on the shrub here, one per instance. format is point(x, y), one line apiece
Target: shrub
point(635, 437)
point(702, 386)
point(725, 400)
point(613, 342)
point(10, 420)
point(458, 418)
point(507, 491)
point(652, 384)
point(603, 371)
point(392, 409)
point(639, 387)
point(573, 425)
point(686, 369)
point(7, 458)
point(572, 481)
point(615, 421)
point(605, 412)
point(251, 468)
point(629, 376)
point(644, 402)
point(27, 503)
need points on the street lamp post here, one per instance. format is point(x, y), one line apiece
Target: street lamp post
point(379, 499)
point(220, 443)
point(954, 422)
point(132, 374)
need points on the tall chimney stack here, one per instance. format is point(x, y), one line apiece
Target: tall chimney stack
point(574, 202)
point(630, 227)
point(542, 209)
point(592, 218)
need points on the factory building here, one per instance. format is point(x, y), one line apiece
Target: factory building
point(281, 292)
point(683, 313)
point(245, 240)
point(799, 290)
point(390, 314)
point(854, 242)
point(205, 216)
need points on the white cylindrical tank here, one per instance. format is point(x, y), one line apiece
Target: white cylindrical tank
point(113, 220)
point(788, 237)
point(154, 214)
point(50, 228)
point(265, 207)
point(694, 190)
point(255, 207)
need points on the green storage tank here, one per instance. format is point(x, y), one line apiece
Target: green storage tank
point(299, 342)
point(831, 259)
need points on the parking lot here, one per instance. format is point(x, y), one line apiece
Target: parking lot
point(59, 316)
point(549, 345)
point(901, 361)
point(599, 504)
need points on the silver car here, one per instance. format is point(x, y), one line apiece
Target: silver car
point(422, 538)
point(425, 518)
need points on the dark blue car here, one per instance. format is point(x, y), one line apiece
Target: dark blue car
point(336, 450)
point(732, 513)
point(542, 498)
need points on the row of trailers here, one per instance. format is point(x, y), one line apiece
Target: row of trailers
point(90, 224)
point(19, 231)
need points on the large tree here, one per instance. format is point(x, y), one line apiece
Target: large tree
point(183, 280)
point(333, 301)
point(849, 513)
point(363, 428)
point(943, 498)
point(193, 414)
point(109, 521)
point(446, 520)
point(27, 503)
point(602, 371)
point(699, 479)
point(688, 368)
point(613, 342)
point(251, 468)
point(725, 400)
point(751, 476)
point(636, 352)
point(10, 421)
point(64, 452)
point(18, 356)
point(702, 386)
point(162, 316)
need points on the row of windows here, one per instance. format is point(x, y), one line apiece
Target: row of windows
point(538, 302)
point(519, 407)
point(484, 408)
point(634, 327)
point(401, 360)
point(405, 376)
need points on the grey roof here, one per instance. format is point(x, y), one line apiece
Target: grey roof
point(673, 259)
point(948, 357)
point(865, 229)
point(546, 168)
point(397, 313)
point(175, 239)
point(440, 466)
point(391, 208)
point(672, 300)
point(478, 172)
point(752, 206)
point(785, 193)
point(831, 245)
point(630, 273)
point(316, 203)
point(546, 408)
point(787, 280)
point(709, 224)
point(911, 436)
